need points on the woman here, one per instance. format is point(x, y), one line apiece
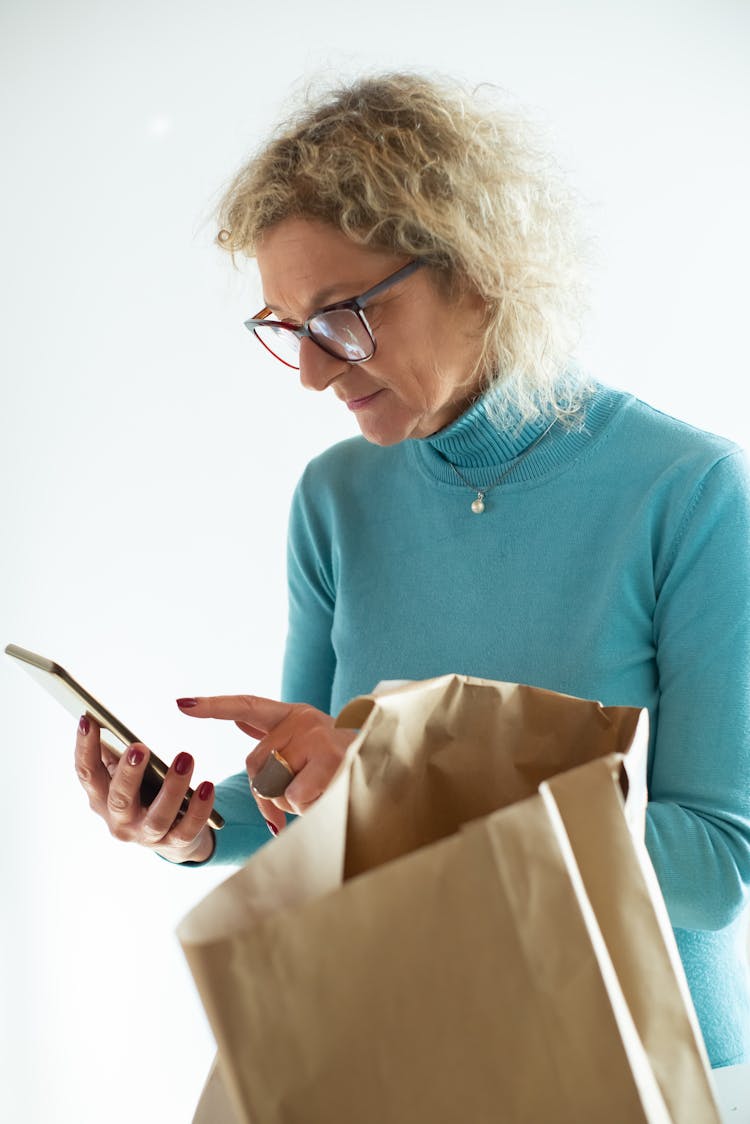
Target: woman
point(501, 515)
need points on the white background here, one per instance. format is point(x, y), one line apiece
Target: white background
point(149, 449)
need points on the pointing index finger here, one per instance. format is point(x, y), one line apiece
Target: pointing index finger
point(254, 710)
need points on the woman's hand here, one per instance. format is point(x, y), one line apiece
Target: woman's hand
point(305, 737)
point(113, 788)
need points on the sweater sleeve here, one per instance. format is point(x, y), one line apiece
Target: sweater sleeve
point(308, 669)
point(309, 660)
point(244, 830)
point(698, 816)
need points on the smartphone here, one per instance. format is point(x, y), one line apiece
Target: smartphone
point(77, 700)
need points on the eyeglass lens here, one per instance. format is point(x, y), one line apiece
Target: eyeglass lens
point(340, 332)
point(280, 342)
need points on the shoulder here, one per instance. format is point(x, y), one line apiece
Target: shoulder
point(659, 436)
point(671, 474)
point(643, 450)
point(343, 457)
point(348, 471)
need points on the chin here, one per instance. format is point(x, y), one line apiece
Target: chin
point(381, 436)
point(389, 423)
point(385, 426)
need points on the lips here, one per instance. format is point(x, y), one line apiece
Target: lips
point(359, 403)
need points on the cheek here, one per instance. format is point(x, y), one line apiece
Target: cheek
point(415, 360)
point(413, 382)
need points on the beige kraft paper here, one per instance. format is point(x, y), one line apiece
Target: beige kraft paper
point(465, 926)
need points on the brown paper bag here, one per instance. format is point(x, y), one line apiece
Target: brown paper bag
point(466, 926)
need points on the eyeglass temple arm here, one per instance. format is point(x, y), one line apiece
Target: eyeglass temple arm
point(399, 275)
point(260, 321)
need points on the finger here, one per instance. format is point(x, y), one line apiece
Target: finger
point(110, 757)
point(263, 714)
point(165, 808)
point(275, 819)
point(188, 827)
point(88, 762)
point(124, 795)
point(282, 804)
point(258, 757)
point(292, 738)
point(303, 734)
point(311, 782)
point(254, 763)
point(297, 740)
point(252, 731)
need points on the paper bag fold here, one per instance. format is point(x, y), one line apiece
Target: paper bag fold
point(464, 927)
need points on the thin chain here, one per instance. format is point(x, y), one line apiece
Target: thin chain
point(482, 492)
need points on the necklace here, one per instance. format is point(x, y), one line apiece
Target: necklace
point(478, 505)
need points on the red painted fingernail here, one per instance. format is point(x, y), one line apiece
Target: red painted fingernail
point(135, 756)
point(84, 725)
point(182, 764)
point(185, 704)
point(272, 827)
point(205, 790)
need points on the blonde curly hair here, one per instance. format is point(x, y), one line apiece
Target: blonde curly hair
point(426, 168)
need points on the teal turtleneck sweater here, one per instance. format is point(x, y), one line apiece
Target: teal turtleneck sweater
point(612, 563)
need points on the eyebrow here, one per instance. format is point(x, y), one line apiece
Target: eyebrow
point(323, 296)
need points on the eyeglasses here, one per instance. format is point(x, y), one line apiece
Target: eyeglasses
point(340, 329)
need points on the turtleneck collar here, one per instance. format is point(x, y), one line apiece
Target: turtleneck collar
point(483, 452)
point(474, 441)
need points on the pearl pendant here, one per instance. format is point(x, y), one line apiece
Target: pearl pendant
point(478, 506)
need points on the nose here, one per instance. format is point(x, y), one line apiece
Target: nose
point(317, 369)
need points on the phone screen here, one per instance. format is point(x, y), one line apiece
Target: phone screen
point(77, 700)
